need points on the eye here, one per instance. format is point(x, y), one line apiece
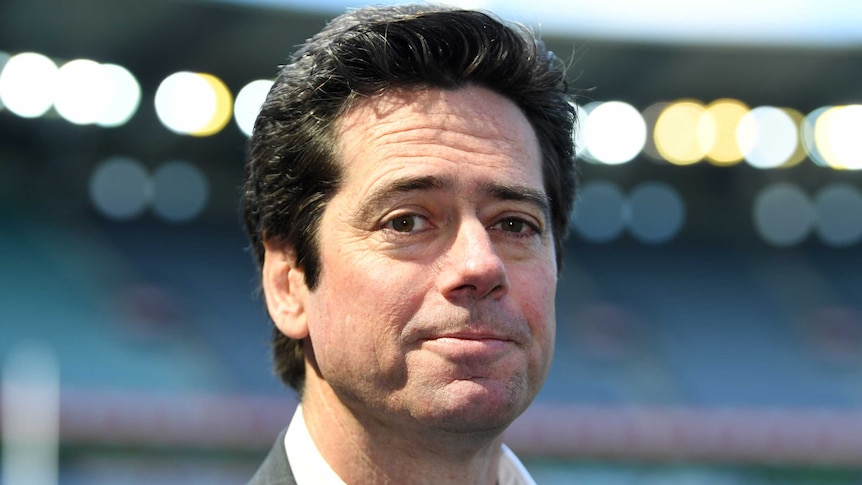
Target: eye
point(403, 223)
point(407, 223)
point(515, 226)
point(512, 225)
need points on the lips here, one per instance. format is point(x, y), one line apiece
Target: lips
point(505, 329)
point(469, 345)
point(472, 333)
point(472, 336)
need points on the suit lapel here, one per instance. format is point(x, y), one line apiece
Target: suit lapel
point(275, 469)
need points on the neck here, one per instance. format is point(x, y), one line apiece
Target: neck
point(362, 449)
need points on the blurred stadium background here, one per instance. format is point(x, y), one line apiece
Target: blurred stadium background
point(710, 312)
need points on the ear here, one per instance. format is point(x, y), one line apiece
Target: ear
point(285, 290)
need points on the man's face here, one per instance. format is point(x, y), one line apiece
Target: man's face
point(435, 302)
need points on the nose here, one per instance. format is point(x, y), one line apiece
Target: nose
point(471, 268)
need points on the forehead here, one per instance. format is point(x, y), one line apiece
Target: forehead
point(437, 130)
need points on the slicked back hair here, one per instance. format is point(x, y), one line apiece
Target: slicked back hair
point(291, 170)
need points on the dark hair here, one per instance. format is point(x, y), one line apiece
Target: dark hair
point(291, 171)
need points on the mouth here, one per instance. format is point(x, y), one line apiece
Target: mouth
point(462, 345)
point(469, 335)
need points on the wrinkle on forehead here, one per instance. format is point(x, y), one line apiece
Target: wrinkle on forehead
point(375, 116)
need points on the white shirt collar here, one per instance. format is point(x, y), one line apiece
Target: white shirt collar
point(306, 462)
point(309, 467)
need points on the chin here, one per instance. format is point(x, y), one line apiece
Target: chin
point(475, 406)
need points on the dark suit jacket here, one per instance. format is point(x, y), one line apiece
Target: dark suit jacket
point(275, 469)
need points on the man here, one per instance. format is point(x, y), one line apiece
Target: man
point(408, 186)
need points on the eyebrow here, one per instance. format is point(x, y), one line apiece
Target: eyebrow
point(427, 183)
point(519, 193)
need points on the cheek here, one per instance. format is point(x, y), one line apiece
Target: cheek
point(536, 292)
point(535, 287)
point(359, 312)
point(543, 325)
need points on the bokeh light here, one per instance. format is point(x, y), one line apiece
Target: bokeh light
point(4, 58)
point(196, 104)
point(650, 116)
point(599, 216)
point(123, 99)
point(120, 188)
point(82, 94)
point(81, 91)
point(838, 135)
point(248, 102)
point(614, 133)
point(683, 135)
point(839, 215)
point(223, 107)
point(768, 137)
point(799, 154)
point(783, 215)
point(822, 129)
point(180, 191)
point(27, 84)
point(656, 212)
point(582, 115)
point(726, 115)
point(809, 141)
